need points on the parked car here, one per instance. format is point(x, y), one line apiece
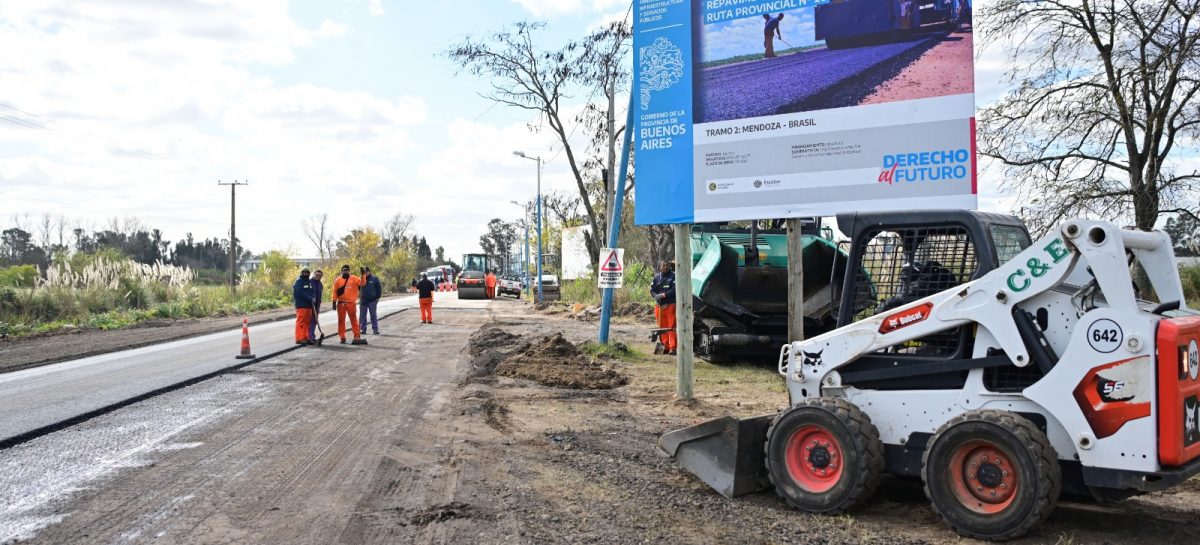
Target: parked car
point(510, 284)
point(550, 288)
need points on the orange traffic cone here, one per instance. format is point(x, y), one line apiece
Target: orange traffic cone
point(245, 355)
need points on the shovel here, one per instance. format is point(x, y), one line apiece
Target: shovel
point(316, 320)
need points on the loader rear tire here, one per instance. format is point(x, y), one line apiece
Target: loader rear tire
point(824, 456)
point(991, 475)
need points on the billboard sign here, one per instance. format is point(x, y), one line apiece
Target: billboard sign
point(749, 109)
point(576, 261)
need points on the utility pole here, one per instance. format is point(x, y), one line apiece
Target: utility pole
point(232, 230)
point(795, 276)
point(683, 312)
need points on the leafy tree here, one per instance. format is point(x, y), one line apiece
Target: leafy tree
point(279, 268)
point(1103, 100)
point(17, 248)
point(423, 251)
point(1185, 234)
point(439, 254)
point(399, 268)
point(497, 243)
point(362, 247)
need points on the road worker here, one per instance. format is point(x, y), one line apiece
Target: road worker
point(425, 289)
point(770, 32)
point(372, 290)
point(302, 294)
point(490, 282)
point(345, 293)
point(663, 290)
point(318, 290)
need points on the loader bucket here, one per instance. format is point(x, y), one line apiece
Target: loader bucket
point(726, 453)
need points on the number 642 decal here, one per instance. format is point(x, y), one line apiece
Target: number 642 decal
point(1105, 335)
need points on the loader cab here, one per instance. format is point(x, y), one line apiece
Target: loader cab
point(895, 258)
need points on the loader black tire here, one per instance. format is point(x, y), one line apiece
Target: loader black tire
point(991, 475)
point(824, 456)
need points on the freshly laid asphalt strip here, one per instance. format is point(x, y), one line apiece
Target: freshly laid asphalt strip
point(768, 86)
point(44, 399)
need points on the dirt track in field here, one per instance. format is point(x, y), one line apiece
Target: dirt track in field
point(397, 443)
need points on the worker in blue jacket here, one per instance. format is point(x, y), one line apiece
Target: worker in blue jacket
point(318, 289)
point(770, 32)
point(663, 291)
point(368, 299)
point(302, 294)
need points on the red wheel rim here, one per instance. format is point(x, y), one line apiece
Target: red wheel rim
point(983, 477)
point(815, 459)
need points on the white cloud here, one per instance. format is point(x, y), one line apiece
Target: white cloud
point(137, 109)
point(544, 8)
point(375, 7)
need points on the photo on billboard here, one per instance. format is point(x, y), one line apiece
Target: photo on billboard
point(751, 109)
point(833, 55)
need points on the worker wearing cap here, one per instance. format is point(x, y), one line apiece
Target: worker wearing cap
point(345, 293)
point(490, 283)
point(663, 290)
point(302, 294)
point(318, 290)
point(372, 290)
point(425, 289)
point(770, 32)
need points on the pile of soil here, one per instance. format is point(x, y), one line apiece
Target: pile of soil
point(555, 361)
point(491, 337)
point(636, 310)
point(489, 347)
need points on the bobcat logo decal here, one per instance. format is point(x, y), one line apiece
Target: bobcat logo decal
point(812, 358)
point(1191, 421)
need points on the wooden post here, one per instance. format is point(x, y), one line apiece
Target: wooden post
point(795, 248)
point(683, 310)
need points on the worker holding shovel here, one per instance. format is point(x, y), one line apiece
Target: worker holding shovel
point(302, 294)
point(770, 32)
point(318, 290)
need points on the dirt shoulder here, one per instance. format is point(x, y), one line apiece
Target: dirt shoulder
point(73, 343)
point(581, 465)
point(938, 72)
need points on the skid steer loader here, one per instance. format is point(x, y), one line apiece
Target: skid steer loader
point(1001, 372)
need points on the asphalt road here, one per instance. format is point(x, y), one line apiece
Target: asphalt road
point(44, 396)
point(798, 81)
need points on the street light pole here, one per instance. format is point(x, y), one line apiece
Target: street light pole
point(522, 155)
point(525, 262)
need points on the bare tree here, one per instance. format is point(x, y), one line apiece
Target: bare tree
point(526, 77)
point(601, 64)
point(397, 230)
point(316, 230)
point(1103, 96)
point(44, 231)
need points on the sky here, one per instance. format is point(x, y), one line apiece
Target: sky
point(744, 36)
point(137, 108)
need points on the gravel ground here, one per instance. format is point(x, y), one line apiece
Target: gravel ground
point(934, 74)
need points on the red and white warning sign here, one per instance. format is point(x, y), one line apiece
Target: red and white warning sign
point(612, 267)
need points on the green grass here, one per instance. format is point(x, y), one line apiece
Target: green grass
point(757, 56)
point(614, 350)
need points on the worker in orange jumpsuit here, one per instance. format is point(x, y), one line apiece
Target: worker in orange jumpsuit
point(425, 289)
point(304, 296)
point(345, 293)
point(490, 285)
point(663, 290)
